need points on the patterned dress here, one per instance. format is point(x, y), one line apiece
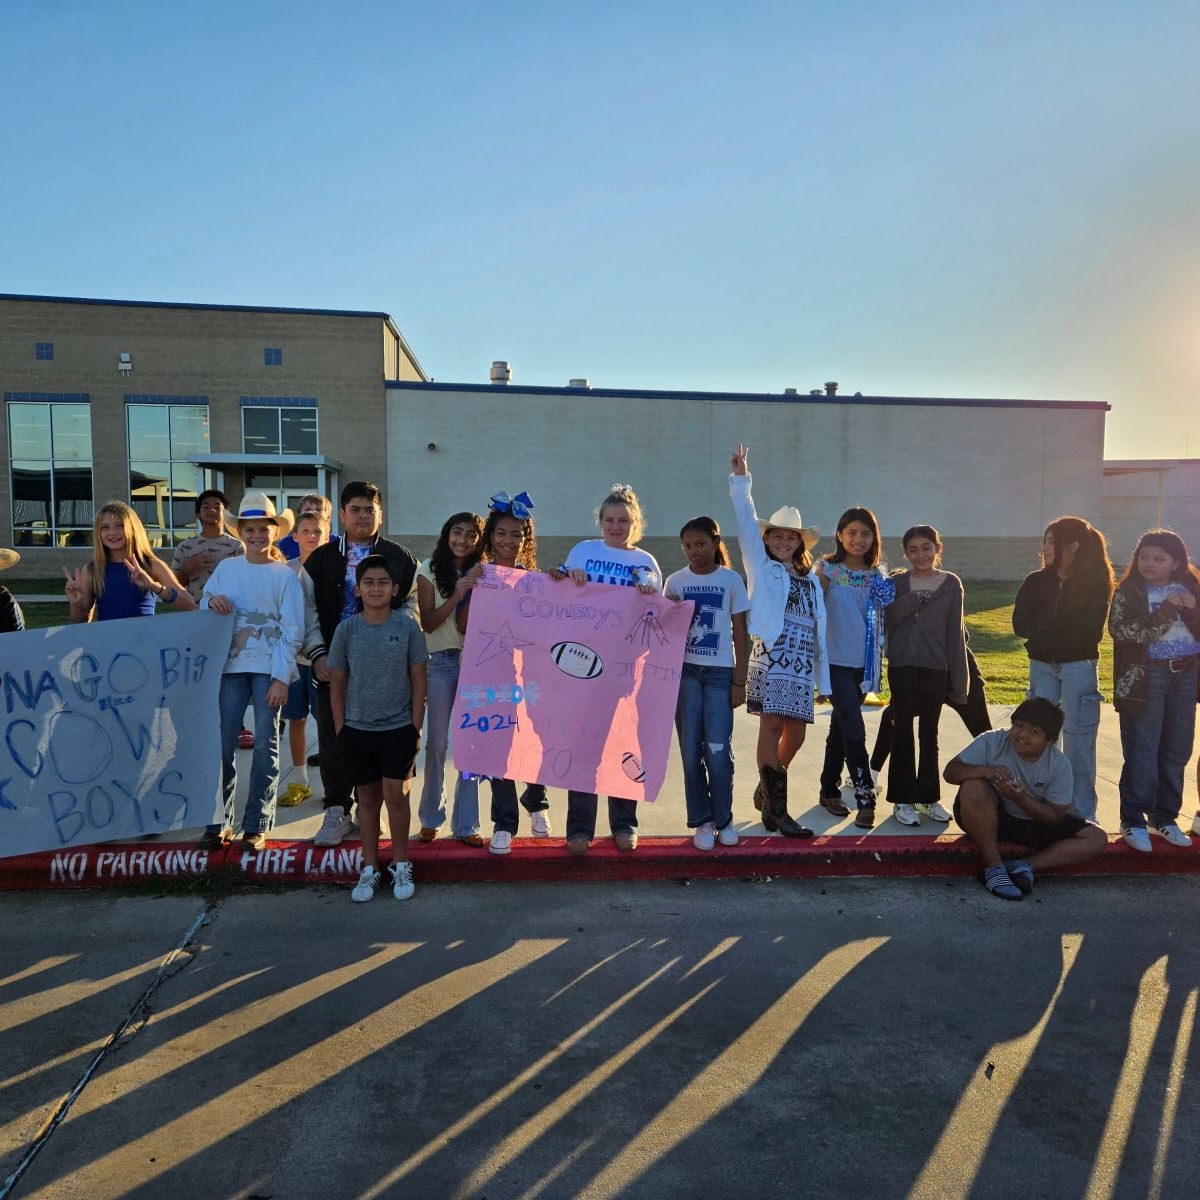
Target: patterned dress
point(780, 678)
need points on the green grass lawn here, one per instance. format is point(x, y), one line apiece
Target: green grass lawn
point(989, 618)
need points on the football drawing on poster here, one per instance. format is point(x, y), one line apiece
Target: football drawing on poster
point(572, 687)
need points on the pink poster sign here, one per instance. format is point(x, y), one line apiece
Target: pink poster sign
point(569, 686)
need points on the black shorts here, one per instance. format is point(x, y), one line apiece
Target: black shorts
point(374, 754)
point(1032, 834)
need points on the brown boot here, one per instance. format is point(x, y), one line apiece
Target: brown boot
point(758, 797)
point(774, 810)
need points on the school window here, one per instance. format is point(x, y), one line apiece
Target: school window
point(285, 427)
point(43, 351)
point(273, 356)
point(50, 461)
point(163, 485)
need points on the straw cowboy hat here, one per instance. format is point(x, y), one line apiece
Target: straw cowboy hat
point(8, 558)
point(789, 518)
point(260, 506)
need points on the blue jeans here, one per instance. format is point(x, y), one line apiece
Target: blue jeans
point(443, 690)
point(1157, 745)
point(847, 738)
point(1075, 687)
point(238, 691)
point(704, 725)
point(581, 814)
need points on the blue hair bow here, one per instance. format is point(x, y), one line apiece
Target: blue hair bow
point(519, 506)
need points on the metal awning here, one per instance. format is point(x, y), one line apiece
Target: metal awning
point(283, 461)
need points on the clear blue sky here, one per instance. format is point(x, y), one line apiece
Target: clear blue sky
point(913, 198)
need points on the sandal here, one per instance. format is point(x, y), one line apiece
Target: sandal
point(833, 803)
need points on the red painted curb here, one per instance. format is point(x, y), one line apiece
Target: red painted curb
point(545, 860)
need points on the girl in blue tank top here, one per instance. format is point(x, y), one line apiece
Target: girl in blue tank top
point(124, 578)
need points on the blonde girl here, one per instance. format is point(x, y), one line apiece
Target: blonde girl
point(124, 578)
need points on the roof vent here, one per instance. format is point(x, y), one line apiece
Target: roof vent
point(501, 372)
point(815, 392)
point(578, 383)
point(790, 392)
point(831, 387)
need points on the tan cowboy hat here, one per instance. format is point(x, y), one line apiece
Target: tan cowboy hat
point(8, 558)
point(260, 506)
point(789, 518)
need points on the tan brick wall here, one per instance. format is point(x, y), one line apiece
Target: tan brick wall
point(177, 351)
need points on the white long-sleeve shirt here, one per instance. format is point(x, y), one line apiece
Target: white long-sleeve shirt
point(268, 616)
point(769, 582)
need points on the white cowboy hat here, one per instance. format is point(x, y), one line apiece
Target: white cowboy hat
point(789, 518)
point(8, 558)
point(260, 506)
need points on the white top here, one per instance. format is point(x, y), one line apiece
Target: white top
point(446, 635)
point(268, 616)
point(717, 597)
point(768, 581)
point(604, 564)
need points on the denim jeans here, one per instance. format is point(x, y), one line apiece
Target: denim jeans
point(1075, 687)
point(1157, 745)
point(704, 725)
point(443, 690)
point(238, 691)
point(504, 803)
point(917, 695)
point(581, 814)
point(847, 738)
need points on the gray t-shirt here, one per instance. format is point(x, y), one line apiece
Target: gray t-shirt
point(378, 657)
point(1049, 778)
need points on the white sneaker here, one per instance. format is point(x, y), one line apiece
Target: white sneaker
point(728, 836)
point(934, 811)
point(335, 825)
point(1172, 833)
point(402, 880)
point(906, 815)
point(705, 837)
point(1138, 839)
point(501, 842)
point(539, 823)
point(364, 889)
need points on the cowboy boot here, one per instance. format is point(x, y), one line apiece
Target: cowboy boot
point(774, 811)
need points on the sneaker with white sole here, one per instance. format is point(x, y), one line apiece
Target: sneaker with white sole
point(539, 823)
point(728, 836)
point(1137, 838)
point(906, 814)
point(935, 812)
point(1172, 833)
point(364, 889)
point(335, 825)
point(501, 842)
point(705, 837)
point(402, 880)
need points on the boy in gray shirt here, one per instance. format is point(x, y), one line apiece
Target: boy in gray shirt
point(377, 686)
point(1015, 785)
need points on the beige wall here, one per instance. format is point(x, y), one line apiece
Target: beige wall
point(1139, 494)
point(177, 351)
point(989, 478)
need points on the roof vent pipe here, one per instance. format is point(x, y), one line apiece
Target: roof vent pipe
point(578, 383)
point(831, 387)
point(501, 372)
point(790, 392)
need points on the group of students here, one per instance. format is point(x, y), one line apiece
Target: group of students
point(358, 633)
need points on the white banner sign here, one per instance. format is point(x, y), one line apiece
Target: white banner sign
point(111, 730)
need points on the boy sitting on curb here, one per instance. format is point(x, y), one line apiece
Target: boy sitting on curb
point(1015, 785)
point(377, 685)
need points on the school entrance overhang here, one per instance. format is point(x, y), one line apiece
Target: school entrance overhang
point(327, 471)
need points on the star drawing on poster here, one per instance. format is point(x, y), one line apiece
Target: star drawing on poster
point(501, 642)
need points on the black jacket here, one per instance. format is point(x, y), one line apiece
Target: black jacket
point(1056, 632)
point(326, 566)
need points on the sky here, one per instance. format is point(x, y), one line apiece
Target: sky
point(911, 198)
